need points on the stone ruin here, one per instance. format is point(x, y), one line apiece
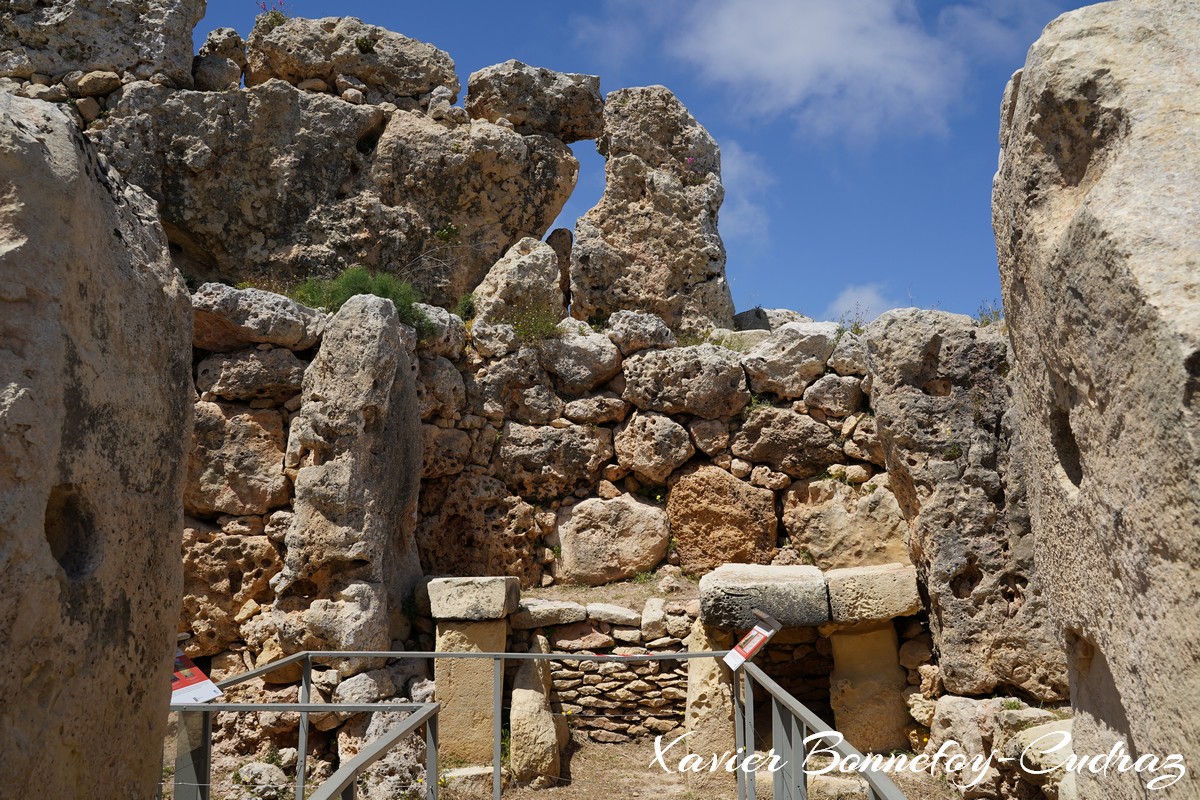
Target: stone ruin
point(337, 472)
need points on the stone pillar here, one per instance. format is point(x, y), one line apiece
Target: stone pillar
point(471, 615)
point(95, 410)
point(867, 686)
point(535, 733)
point(709, 714)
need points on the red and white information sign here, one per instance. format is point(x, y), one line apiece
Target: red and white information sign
point(189, 684)
point(752, 642)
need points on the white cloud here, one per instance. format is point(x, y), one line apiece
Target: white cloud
point(864, 301)
point(855, 67)
point(746, 181)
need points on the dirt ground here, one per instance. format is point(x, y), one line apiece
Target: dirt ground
point(620, 771)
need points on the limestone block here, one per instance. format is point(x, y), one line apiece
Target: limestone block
point(866, 689)
point(473, 598)
point(794, 595)
point(95, 412)
point(616, 615)
point(464, 688)
point(534, 613)
point(874, 593)
point(709, 711)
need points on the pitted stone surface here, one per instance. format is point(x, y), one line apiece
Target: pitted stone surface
point(795, 596)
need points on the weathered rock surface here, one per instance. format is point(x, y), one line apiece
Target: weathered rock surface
point(836, 395)
point(472, 525)
point(445, 451)
point(517, 387)
point(344, 47)
point(323, 184)
point(230, 319)
point(525, 280)
point(138, 40)
point(792, 357)
point(219, 63)
point(537, 100)
point(272, 375)
point(356, 443)
point(474, 599)
point(651, 244)
point(440, 388)
point(716, 518)
point(611, 540)
point(532, 728)
point(633, 331)
point(1093, 210)
point(579, 358)
point(224, 577)
point(838, 525)
point(942, 407)
point(872, 594)
point(795, 596)
point(653, 446)
point(787, 441)
point(95, 409)
point(548, 462)
point(236, 461)
point(702, 380)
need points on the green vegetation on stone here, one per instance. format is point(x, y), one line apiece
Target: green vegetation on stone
point(332, 294)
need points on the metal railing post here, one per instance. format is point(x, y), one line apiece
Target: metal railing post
point(748, 690)
point(798, 755)
point(193, 756)
point(431, 759)
point(739, 733)
point(497, 697)
point(781, 743)
point(302, 743)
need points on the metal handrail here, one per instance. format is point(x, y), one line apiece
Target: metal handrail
point(342, 782)
point(351, 770)
point(791, 724)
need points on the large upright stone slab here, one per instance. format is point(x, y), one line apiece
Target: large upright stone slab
point(651, 244)
point(1095, 208)
point(942, 405)
point(95, 411)
point(355, 445)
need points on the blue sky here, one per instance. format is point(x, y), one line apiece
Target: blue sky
point(858, 137)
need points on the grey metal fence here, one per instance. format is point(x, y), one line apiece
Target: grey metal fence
point(791, 724)
point(193, 760)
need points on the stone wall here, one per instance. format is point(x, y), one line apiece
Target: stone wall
point(301, 500)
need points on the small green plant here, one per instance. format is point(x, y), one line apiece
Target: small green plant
point(1012, 705)
point(655, 494)
point(952, 451)
point(852, 322)
point(447, 233)
point(533, 321)
point(806, 556)
point(757, 401)
point(272, 15)
point(465, 308)
point(644, 577)
point(691, 339)
point(365, 44)
point(506, 747)
point(672, 545)
point(989, 313)
point(557, 550)
point(333, 294)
